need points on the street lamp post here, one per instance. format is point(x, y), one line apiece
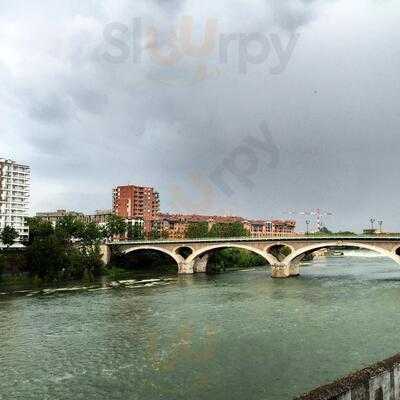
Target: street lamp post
point(308, 225)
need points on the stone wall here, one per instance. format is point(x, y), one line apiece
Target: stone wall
point(377, 382)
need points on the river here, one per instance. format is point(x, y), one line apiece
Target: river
point(238, 335)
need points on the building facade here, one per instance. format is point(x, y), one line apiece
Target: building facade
point(175, 225)
point(137, 203)
point(99, 217)
point(14, 196)
point(54, 216)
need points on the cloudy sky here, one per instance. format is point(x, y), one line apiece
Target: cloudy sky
point(264, 106)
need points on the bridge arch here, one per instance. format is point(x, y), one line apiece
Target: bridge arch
point(271, 246)
point(317, 246)
point(176, 257)
point(268, 257)
point(184, 251)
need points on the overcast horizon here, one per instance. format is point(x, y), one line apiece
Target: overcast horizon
point(300, 110)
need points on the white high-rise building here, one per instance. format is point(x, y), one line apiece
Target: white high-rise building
point(14, 196)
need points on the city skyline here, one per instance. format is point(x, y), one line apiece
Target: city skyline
point(141, 205)
point(85, 125)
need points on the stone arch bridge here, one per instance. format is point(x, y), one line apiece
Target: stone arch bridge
point(195, 256)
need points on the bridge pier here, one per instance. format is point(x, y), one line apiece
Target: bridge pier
point(280, 270)
point(185, 267)
point(105, 254)
point(294, 269)
point(200, 263)
point(285, 270)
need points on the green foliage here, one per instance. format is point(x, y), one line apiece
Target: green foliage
point(69, 227)
point(280, 252)
point(70, 251)
point(129, 232)
point(115, 226)
point(327, 232)
point(155, 232)
point(115, 273)
point(90, 234)
point(197, 230)
point(324, 230)
point(135, 231)
point(39, 228)
point(234, 258)
point(8, 236)
point(85, 264)
point(228, 230)
point(47, 257)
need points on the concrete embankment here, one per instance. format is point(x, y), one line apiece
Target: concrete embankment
point(380, 381)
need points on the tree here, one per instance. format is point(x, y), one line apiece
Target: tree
point(129, 231)
point(155, 232)
point(115, 226)
point(280, 251)
point(226, 230)
point(138, 232)
point(234, 258)
point(90, 234)
point(216, 231)
point(325, 231)
point(134, 231)
point(236, 229)
point(47, 257)
point(39, 228)
point(53, 255)
point(68, 228)
point(8, 236)
point(197, 230)
point(346, 233)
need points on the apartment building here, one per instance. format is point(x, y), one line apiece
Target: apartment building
point(175, 225)
point(14, 196)
point(263, 228)
point(137, 202)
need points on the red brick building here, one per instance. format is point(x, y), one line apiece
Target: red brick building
point(175, 225)
point(137, 202)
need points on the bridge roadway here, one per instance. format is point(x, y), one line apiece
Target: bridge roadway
point(199, 249)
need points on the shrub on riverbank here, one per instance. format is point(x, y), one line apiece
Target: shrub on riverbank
point(234, 259)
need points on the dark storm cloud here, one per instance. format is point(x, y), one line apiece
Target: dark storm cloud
point(85, 124)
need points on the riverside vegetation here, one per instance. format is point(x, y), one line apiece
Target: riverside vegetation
point(70, 251)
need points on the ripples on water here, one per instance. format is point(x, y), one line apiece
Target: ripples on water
point(238, 335)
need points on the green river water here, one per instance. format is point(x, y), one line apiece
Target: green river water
point(238, 335)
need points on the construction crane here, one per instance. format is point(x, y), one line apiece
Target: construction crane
point(317, 213)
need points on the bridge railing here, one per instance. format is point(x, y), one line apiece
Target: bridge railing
point(266, 238)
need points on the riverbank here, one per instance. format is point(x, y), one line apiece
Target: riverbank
point(19, 277)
